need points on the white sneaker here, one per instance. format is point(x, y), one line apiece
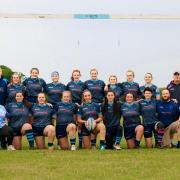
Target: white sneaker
point(73, 148)
point(11, 148)
point(117, 147)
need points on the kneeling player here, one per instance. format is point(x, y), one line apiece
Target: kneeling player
point(91, 110)
point(149, 116)
point(133, 130)
point(65, 123)
point(43, 116)
point(112, 115)
point(18, 120)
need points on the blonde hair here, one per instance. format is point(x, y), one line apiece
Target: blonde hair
point(85, 91)
point(15, 73)
point(67, 92)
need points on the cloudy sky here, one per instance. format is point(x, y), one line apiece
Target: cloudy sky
point(112, 46)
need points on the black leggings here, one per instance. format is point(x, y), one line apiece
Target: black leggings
point(6, 136)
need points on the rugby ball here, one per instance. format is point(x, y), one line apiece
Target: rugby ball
point(90, 124)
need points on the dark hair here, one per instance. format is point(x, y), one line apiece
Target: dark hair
point(127, 94)
point(34, 68)
point(115, 104)
point(147, 89)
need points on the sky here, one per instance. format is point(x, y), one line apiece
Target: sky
point(112, 46)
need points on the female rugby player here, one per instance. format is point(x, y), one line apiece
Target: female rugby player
point(130, 86)
point(148, 83)
point(133, 130)
point(43, 116)
point(149, 116)
point(55, 89)
point(115, 86)
point(65, 123)
point(111, 117)
point(34, 85)
point(96, 87)
point(18, 120)
point(76, 87)
point(13, 87)
point(87, 110)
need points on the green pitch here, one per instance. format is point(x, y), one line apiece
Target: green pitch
point(90, 164)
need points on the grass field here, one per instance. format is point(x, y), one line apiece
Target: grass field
point(91, 164)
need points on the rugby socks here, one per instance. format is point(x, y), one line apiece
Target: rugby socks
point(137, 143)
point(178, 144)
point(93, 142)
point(73, 141)
point(160, 136)
point(50, 144)
point(80, 140)
point(102, 144)
point(30, 137)
point(156, 138)
point(118, 140)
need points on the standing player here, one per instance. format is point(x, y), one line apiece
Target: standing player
point(148, 83)
point(96, 87)
point(14, 87)
point(3, 89)
point(111, 116)
point(34, 85)
point(114, 86)
point(174, 87)
point(18, 120)
point(149, 116)
point(130, 86)
point(43, 117)
point(88, 110)
point(65, 123)
point(55, 89)
point(76, 87)
point(169, 122)
point(133, 130)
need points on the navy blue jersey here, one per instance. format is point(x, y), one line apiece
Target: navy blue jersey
point(18, 114)
point(3, 91)
point(86, 111)
point(148, 111)
point(154, 88)
point(34, 86)
point(131, 114)
point(168, 112)
point(65, 113)
point(111, 119)
point(131, 87)
point(117, 88)
point(96, 87)
point(174, 90)
point(12, 90)
point(76, 88)
point(54, 92)
point(42, 115)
